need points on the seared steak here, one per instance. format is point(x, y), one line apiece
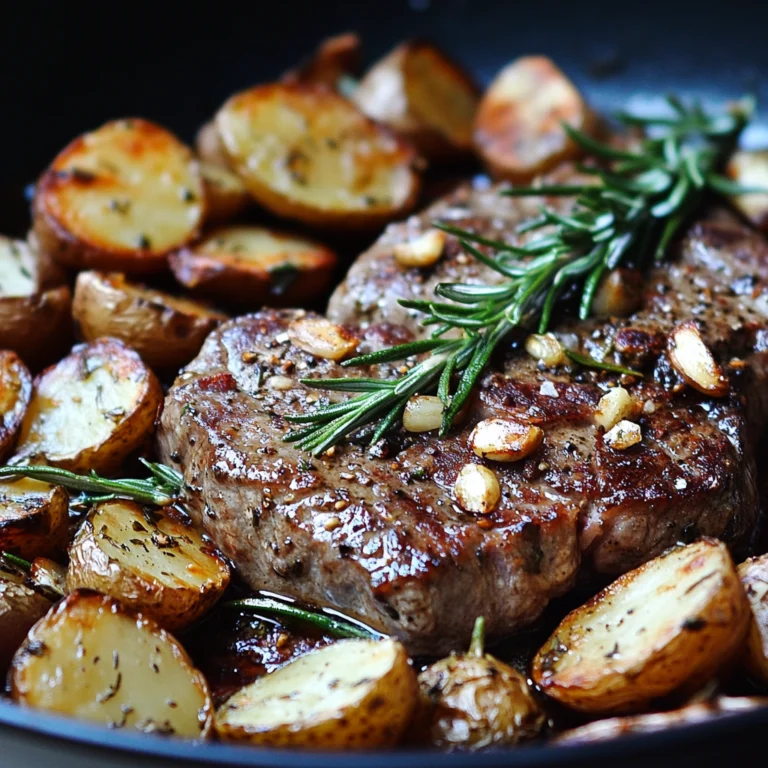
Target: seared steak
point(379, 536)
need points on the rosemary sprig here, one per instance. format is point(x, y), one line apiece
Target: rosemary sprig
point(639, 201)
point(19, 562)
point(161, 489)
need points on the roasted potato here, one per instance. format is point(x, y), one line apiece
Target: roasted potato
point(91, 410)
point(750, 169)
point(478, 701)
point(602, 730)
point(15, 394)
point(167, 331)
point(423, 95)
point(518, 128)
point(119, 198)
point(669, 625)
point(34, 518)
point(35, 313)
point(49, 577)
point(306, 153)
point(354, 694)
point(20, 607)
point(111, 666)
point(209, 147)
point(754, 577)
point(336, 57)
point(225, 194)
point(249, 266)
point(150, 561)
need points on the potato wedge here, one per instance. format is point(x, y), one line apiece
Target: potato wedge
point(669, 625)
point(151, 562)
point(750, 169)
point(603, 730)
point(167, 331)
point(249, 266)
point(34, 518)
point(20, 607)
point(111, 666)
point(335, 57)
point(518, 130)
point(306, 153)
point(754, 576)
point(15, 394)
point(119, 198)
point(423, 95)
point(35, 320)
point(91, 410)
point(354, 694)
point(225, 194)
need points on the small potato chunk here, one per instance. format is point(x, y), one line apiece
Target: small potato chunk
point(49, 577)
point(35, 320)
point(306, 153)
point(354, 694)
point(119, 198)
point(209, 147)
point(335, 58)
point(669, 625)
point(750, 169)
point(754, 577)
point(248, 266)
point(425, 96)
point(603, 730)
point(225, 194)
point(111, 666)
point(15, 394)
point(91, 410)
point(518, 128)
point(151, 562)
point(34, 518)
point(167, 331)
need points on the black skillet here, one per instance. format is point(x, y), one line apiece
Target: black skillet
point(66, 67)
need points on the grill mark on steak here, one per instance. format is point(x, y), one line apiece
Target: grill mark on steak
point(380, 536)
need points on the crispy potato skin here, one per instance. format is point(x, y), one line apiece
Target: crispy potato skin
point(133, 663)
point(171, 600)
point(20, 608)
point(34, 518)
point(76, 196)
point(754, 576)
point(166, 331)
point(219, 268)
point(518, 131)
point(15, 394)
point(327, 164)
point(335, 57)
point(59, 425)
point(677, 648)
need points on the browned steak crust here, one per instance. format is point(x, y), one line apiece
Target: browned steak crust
point(380, 537)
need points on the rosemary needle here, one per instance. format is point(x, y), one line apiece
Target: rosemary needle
point(638, 203)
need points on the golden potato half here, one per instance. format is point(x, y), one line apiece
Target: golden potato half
point(750, 169)
point(35, 319)
point(111, 666)
point(15, 394)
point(34, 518)
point(754, 577)
point(666, 626)
point(354, 694)
point(150, 561)
point(167, 331)
point(250, 266)
point(91, 410)
point(306, 153)
point(225, 195)
point(518, 127)
point(424, 95)
point(119, 198)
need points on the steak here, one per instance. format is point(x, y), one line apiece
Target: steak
point(377, 534)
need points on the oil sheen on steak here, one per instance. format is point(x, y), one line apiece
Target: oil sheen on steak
point(380, 536)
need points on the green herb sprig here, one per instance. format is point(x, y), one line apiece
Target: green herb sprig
point(638, 203)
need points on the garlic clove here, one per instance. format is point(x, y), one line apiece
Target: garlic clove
point(477, 489)
point(322, 338)
point(505, 439)
point(423, 251)
point(423, 413)
point(694, 361)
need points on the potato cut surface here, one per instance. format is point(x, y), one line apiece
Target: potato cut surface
point(92, 659)
point(18, 269)
point(250, 266)
point(150, 561)
point(120, 197)
point(670, 624)
point(307, 153)
point(352, 694)
point(92, 409)
point(225, 194)
point(15, 394)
